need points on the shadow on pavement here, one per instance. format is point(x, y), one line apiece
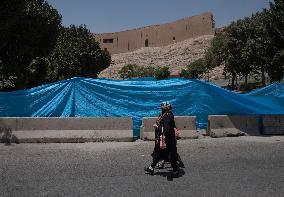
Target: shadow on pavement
point(169, 174)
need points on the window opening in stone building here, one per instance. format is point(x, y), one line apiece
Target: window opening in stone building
point(174, 38)
point(108, 40)
point(117, 41)
point(105, 49)
point(128, 46)
point(146, 43)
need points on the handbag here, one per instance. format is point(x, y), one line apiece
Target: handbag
point(162, 140)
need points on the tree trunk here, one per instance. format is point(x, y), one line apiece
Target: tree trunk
point(246, 82)
point(208, 76)
point(262, 76)
point(233, 81)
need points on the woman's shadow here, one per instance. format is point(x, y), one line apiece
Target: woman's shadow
point(169, 173)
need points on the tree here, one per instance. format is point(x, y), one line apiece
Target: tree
point(29, 29)
point(129, 71)
point(148, 71)
point(275, 28)
point(214, 55)
point(162, 72)
point(133, 70)
point(262, 43)
point(195, 70)
point(240, 48)
point(252, 44)
point(77, 53)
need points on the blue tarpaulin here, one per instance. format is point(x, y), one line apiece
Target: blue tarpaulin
point(85, 97)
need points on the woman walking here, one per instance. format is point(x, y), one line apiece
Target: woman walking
point(165, 141)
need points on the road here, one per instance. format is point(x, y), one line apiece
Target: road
point(241, 166)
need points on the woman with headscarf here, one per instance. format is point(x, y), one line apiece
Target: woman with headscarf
point(165, 141)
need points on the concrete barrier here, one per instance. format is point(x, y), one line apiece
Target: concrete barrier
point(273, 124)
point(69, 129)
point(233, 125)
point(185, 124)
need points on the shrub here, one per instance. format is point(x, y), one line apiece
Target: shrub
point(185, 73)
point(133, 70)
point(129, 71)
point(148, 71)
point(162, 73)
point(194, 70)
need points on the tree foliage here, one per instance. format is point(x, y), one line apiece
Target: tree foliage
point(129, 71)
point(195, 70)
point(162, 72)
point(29, 29)
point(77, 53)
point(35, 48)
point(133, 71)
point(275, 29)
point(253, 44)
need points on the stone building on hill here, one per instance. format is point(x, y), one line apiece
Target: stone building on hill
point(157, 35)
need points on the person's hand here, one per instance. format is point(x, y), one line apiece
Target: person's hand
point(155, 125)
point(177, 134)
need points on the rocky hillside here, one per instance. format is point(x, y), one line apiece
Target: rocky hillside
point(176, 56)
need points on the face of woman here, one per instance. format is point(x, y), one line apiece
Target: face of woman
point(164, 111)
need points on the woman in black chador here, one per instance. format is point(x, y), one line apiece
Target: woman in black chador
point(165, 141)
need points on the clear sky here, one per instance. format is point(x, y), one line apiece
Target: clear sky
point(116, 15)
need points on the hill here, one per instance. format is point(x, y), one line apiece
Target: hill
point(176, 56)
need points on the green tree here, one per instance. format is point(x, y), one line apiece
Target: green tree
point(77, 53)
point(214, 55)
point(275, 28)
point(195, 70)
point(148, 71)
point(29, 29)
point(162, 72)
point(262, 43)
point(239, 48)
point(252, 44)
point(129, 71)
point(133, 70)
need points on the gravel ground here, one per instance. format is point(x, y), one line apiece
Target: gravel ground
point(241, 166)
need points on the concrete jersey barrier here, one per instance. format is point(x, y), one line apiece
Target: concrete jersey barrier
point(273, 124)
point(185, 124)
point(69, 129)
point(233, 125)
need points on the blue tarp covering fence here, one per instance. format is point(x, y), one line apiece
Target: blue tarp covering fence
point(85, 97)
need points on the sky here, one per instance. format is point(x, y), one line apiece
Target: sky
point(102, 16)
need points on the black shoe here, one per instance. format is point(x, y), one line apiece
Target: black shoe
point(160, 165)
point(174, 174)
point(181, 165)
point(150, 171)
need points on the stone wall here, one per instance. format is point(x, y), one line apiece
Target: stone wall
point(157, 35)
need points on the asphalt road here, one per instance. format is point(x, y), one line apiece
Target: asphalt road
point(242, 166)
